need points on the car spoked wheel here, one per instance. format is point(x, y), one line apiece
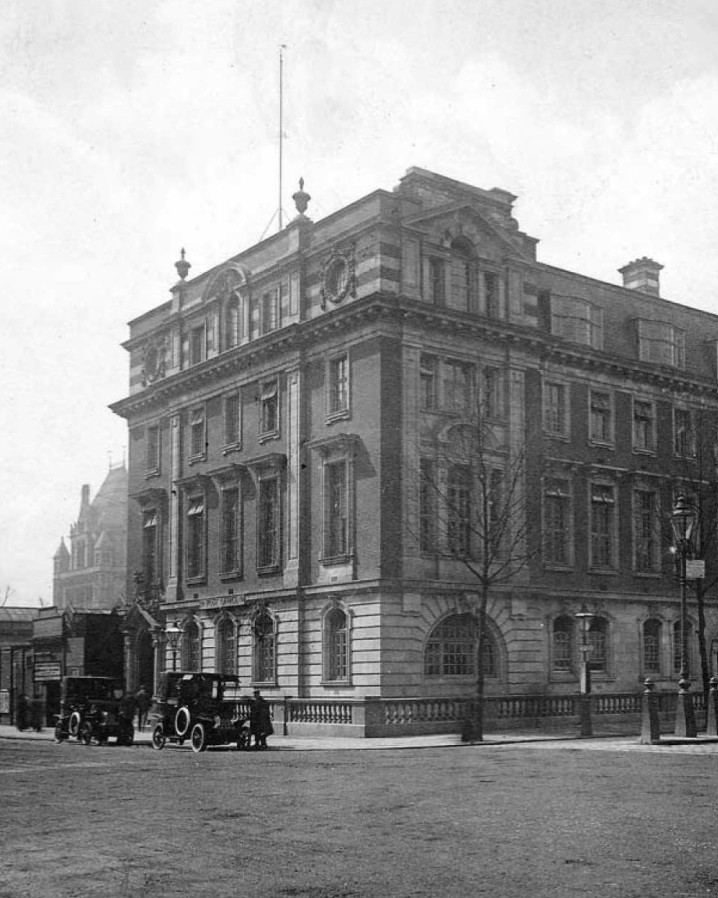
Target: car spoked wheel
point(198, 737)
point(85, 734)
point(158, 737)
point(182, 721)
point(74, 725)
point(243, 739)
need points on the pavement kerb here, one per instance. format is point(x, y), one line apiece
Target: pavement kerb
point(308, 743)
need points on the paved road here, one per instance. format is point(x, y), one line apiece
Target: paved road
point(544, 819)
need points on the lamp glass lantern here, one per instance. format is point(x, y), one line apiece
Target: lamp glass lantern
point(584, 618)
point(173, 634)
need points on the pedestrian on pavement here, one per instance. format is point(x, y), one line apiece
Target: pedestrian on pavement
point(35, 716)
point(127, 707)
point(21, 712)
point(260, 721)
point(143, 707)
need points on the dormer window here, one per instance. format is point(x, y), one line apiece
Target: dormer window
point(577, 320)
point(661, 343)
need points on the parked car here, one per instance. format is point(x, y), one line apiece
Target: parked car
point(202, 708)
point(76, 696)
point(109, 718)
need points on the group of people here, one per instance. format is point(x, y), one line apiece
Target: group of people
point(28, 713)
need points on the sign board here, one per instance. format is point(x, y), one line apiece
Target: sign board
point(695, 569)
point(48, 670)
point(218, 602)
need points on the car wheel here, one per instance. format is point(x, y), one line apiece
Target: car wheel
point(59, 733)
point(75, 723)
point(86, 732)
point(243, 740)
point(182, 721)
point(199, 737)
point(158, 737)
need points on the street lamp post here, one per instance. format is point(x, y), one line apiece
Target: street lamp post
point(683, 519)
point(173, 634)
point(584, 617)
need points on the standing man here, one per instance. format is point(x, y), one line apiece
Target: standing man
point(260, 721)
point(143, 707)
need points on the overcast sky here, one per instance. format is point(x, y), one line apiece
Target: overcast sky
point(129, 130)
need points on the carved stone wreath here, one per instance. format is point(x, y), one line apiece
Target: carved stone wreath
point(338, 276)
point(153, 363)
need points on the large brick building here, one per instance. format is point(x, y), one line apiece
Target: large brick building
point(286, 406)
point(92, 573)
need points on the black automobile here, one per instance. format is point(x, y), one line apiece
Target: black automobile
point(109, 718)
point(202, 708)
point(76, 697)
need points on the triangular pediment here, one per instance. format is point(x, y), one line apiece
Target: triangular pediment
point(138, 618)
point(492, 236)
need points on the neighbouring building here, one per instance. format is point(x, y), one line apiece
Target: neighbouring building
point(16, 657)
point(76, 643)
point(92, 572)
point(304, 520)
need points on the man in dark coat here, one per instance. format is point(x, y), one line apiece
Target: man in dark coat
point(143, 706)
point(260, 720)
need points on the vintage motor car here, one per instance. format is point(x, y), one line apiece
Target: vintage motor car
point(109, 718)
point(76, 697)
point(202, 708)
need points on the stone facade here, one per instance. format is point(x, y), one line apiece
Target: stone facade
point(285, 407)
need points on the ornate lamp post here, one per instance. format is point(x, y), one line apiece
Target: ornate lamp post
point(173, 634)
point(683, 519)
point(584, 617)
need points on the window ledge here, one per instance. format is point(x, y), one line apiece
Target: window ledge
point(231, 575)
point(337, 684)
point(196, 459)
point(265, 569)
point(330, 560)
point(559, 568)
point(196, 581)
point(648, 575)
point(269, 435)
point(231, 447)
point(550, 434)
point(153, 472)
point(604, 571)
point(341, 415)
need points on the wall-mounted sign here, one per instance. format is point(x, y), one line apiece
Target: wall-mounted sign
point(48, 670)
point(695, 569)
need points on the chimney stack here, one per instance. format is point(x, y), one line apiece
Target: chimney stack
point(642, 275)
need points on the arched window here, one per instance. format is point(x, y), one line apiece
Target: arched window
point(451, 648)
point(562, 643)
point(652, 630)
point(227, 646)
point(264, 654)
point(191, 646)
point(598, 641)
point(677, 650)
point(336, 636)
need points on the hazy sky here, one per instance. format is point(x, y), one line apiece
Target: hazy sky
point(129, 130)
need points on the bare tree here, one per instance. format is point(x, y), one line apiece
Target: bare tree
point(471, 496)
point(5, 594)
